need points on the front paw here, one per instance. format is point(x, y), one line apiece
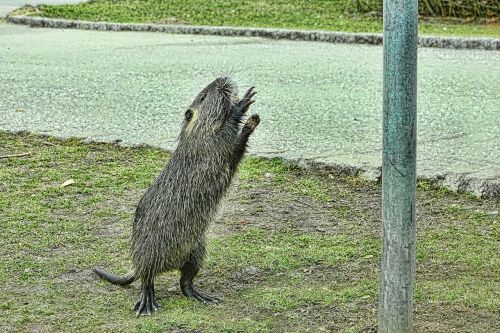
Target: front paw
point(252, 122)
point(244, 103)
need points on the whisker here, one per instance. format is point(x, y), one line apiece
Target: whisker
point(228, 100)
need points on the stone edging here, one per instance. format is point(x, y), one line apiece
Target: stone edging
point(301, 35)
point(460, 183)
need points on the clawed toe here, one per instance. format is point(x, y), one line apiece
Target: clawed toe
point(201, 296)
point(205, 298)
point(146, 305)
point(155, 304)
point(247, 100)
point(249, 94)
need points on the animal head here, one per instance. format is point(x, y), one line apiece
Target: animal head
point(211, 108)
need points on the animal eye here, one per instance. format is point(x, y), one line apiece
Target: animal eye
point(203, 97)
point(189, 114)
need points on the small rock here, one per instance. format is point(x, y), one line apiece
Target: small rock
point(251, 270)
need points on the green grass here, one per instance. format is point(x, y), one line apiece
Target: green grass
point(293, 250)
point(317, 14)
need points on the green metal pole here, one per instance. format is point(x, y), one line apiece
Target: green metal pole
point(398, 166)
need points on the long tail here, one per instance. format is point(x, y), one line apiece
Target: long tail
point(115, 279)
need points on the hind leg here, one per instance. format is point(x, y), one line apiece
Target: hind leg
point(188, 272)
point(147, 303)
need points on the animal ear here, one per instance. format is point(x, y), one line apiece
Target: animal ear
point(189, 115)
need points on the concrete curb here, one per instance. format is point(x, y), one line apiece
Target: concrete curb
point(300, 35)
point(465, 183)
point(460, 183)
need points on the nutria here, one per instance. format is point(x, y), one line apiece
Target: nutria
point(172, 216)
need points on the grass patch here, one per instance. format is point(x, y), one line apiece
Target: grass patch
point(295, 14)
point(292, 251)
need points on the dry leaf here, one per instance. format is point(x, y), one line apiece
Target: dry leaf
point(67, 183)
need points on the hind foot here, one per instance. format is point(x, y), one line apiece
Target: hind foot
point(191, 292)
point(188, 272)
point(147, 303)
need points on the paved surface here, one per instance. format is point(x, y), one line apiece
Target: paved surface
point(317, 101)
point(6, 6)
